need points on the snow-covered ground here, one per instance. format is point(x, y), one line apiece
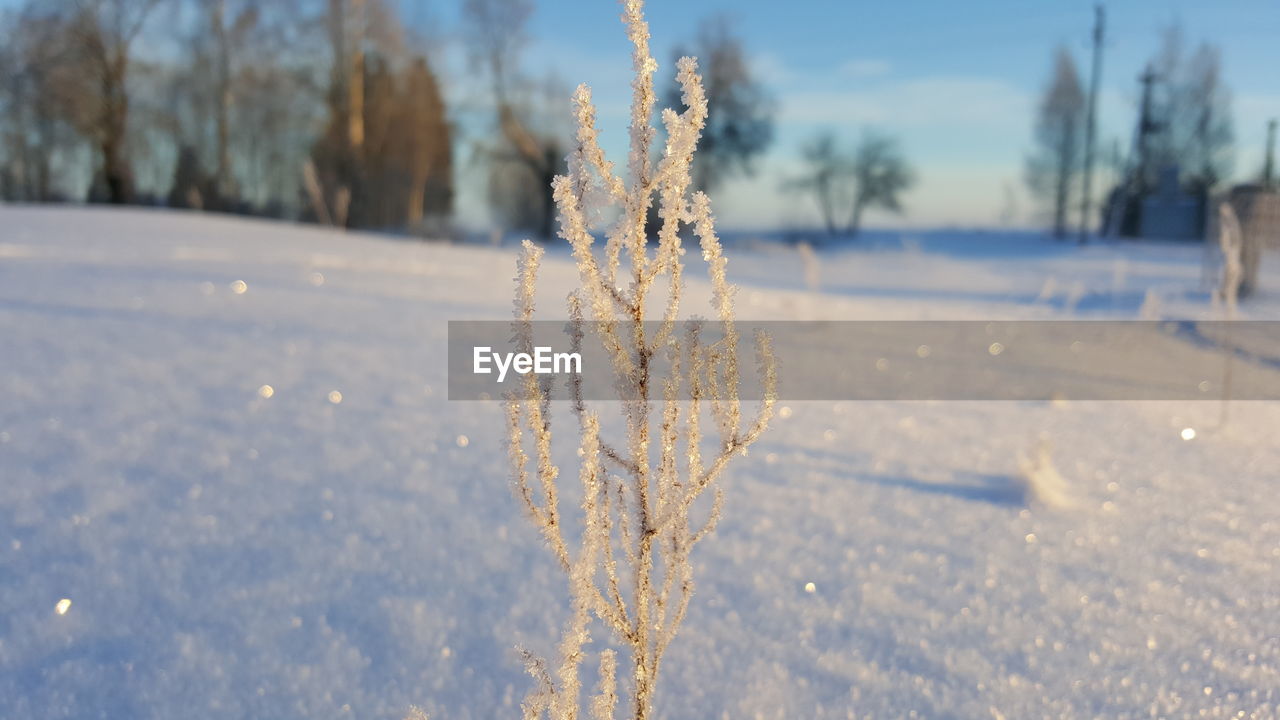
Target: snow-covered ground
point(227, 443)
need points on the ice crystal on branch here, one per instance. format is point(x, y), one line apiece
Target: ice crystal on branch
point(631, 571)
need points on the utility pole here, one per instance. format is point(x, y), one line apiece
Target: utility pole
point(1269, 169)
point(1091, 122)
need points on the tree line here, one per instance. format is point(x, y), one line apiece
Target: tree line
point(336, 112)
point(323, 110)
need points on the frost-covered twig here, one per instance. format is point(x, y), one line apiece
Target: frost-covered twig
point(631, 568)
point(1231, 242)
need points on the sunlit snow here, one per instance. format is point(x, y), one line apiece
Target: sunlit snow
point(247, 476)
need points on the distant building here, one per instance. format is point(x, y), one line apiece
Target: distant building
point(1259, 211)
point(1170, 213)
point(1164, 212)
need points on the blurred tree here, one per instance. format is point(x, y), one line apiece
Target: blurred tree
point(391, 131)
point(847, 184)
point(380, 187)
point(339, 154)
point(1193, 112)
point(532, 146)
point(191, 185)
point(405, 159)
point(428, 147)
point(336, 153)
point(880, 174)
point(275, 111)
point(1053, 164)
point(227, 122)
point(33, 121)
point(527, 156)
point(740, 112)
point(228, 27)
point(826, 175)
point(100, 36)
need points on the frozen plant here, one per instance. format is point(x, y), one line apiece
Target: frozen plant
point(631, 570)
point(1231, 241)
point(1151, 305)
point(1075, 294)
point(1041, 482)
point(812, 267)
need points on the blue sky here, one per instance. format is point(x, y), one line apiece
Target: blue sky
point(956, 82)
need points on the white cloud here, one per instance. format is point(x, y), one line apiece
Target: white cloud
point(939, 101)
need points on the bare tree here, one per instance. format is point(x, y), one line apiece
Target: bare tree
point(33, 59)
point(826, 177)
point(274, 109)
point(65, 67)
point(531, 140)
point(1055, 161)
point(228, 26)
point(228, 119)
point(279, 87)
point(740, 122)
point(846, 184)
point(103, 33)
point(880, 175)
point(632, 570)
point(229, 43)
point(496, 36)
point(1193, 111)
